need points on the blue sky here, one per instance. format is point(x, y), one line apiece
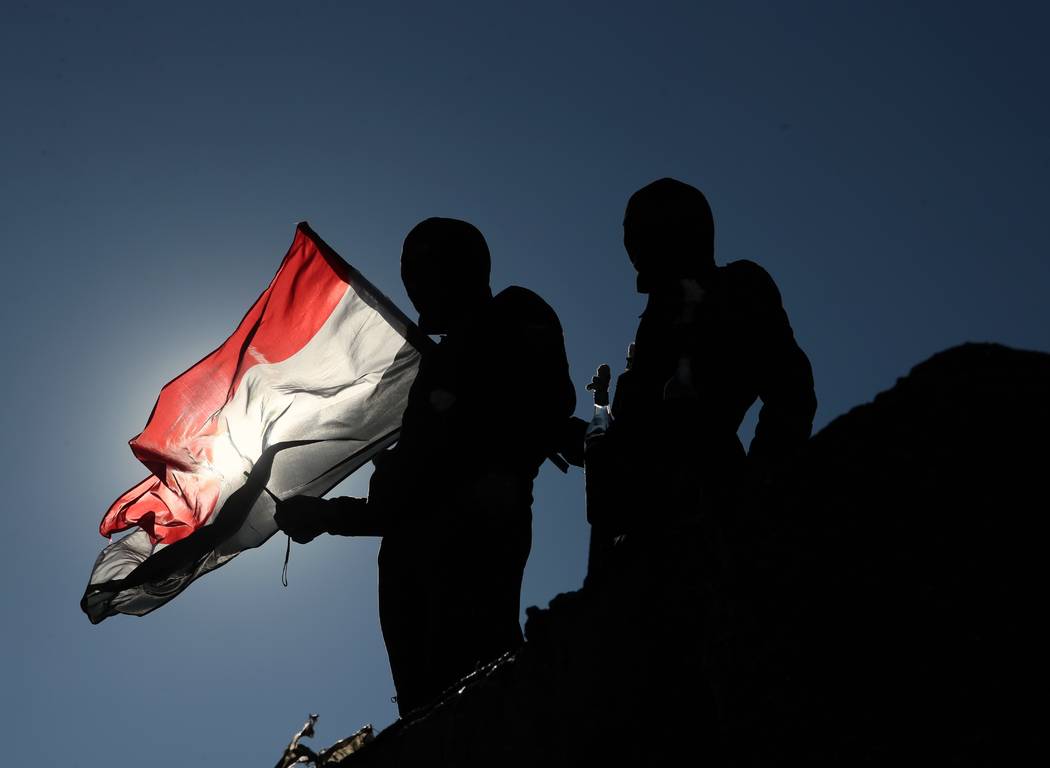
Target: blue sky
point(886, 162)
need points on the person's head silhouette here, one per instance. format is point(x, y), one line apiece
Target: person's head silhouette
point(669, 233)
point(445, 267)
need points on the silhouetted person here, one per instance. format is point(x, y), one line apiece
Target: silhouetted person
point(711, 341)
point(670, 474)
point(453, 499)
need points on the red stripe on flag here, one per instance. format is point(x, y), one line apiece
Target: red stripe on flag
point(176, 443)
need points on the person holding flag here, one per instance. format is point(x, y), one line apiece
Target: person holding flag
point(452, 500)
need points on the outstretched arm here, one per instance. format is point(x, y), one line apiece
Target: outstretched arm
point(306, 517)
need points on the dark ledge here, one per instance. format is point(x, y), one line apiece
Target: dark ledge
point(879, 606)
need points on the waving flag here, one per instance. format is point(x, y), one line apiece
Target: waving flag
point(308, 388)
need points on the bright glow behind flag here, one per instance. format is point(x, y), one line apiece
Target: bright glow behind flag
point(310, 386)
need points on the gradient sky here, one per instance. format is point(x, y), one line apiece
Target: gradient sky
point(887, 162)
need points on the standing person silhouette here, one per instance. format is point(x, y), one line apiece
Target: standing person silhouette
point(712, 340)
point(452, 500)
point(667, 490)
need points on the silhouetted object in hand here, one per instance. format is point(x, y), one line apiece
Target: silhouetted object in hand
point(711, 340)
point(453, 499)
point(601, 421)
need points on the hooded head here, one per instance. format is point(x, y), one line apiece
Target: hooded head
point(445, 267)
point(669, 233)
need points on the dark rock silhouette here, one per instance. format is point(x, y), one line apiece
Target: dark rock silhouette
point(878, 606)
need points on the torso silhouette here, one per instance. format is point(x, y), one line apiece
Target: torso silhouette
point(457, 490)
point(704, 352)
